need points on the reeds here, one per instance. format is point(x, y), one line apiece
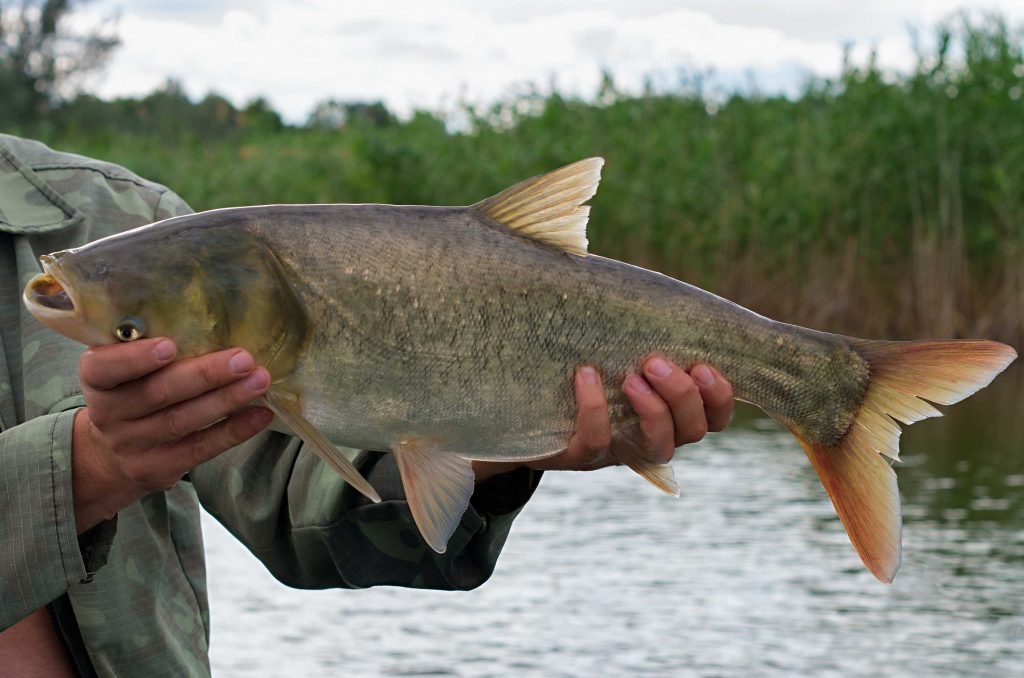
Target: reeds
point(878, 204)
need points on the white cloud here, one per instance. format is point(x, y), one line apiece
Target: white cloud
point(418, 54)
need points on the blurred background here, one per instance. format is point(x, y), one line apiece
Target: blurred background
point(852, 167)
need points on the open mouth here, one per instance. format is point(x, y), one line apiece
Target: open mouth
point(47, 294)
point(55, 303)
point(46, 291)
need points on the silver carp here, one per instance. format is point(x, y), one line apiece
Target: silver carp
point(450, 334)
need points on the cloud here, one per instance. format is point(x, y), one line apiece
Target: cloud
point(416, 54)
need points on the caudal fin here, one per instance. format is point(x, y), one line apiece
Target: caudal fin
point(861, 484)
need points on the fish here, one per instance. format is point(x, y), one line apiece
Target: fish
point(450, 334)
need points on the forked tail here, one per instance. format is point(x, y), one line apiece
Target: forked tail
point(904, 375)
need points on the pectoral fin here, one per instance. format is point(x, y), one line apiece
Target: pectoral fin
point(286, 406)
point(438, 486)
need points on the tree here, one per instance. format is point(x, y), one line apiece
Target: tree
point(335, 114)
point(259, 115)
point(42, 59)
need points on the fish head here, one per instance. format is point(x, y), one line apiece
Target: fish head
point(207, 289)
point(56, 303)
point(115, 293)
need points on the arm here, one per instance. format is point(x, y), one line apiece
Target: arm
point(39, 553)
point(312, 530)
point(66, 473)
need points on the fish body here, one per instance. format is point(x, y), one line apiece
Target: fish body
point(433, 323)
point(450, 334)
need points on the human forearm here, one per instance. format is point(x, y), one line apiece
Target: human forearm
point(312, 530)
point(100, 489)
point(40, 556)
point(485, 470)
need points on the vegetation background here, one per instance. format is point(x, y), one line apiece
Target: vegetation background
point(878, 204)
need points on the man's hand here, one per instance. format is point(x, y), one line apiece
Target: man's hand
point(148, 420)
point(675, 408)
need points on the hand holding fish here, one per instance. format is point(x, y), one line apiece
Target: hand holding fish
point(148, 420)
point(675, 407)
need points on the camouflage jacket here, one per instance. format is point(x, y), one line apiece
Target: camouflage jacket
point(129, 597)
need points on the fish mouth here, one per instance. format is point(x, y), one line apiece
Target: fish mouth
point(47, 291)
point(52, 300)
point(47, 294)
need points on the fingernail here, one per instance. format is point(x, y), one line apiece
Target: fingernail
point(257, 381)
point(240, 363)
point(163, 350)
point(703, 375)
point(638, 384)
point(261, 418)
point(588, 374)
point(659, 368)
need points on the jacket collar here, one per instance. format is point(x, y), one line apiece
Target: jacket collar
point(28, 204)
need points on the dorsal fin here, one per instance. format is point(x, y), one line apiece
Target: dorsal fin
point(549, 208)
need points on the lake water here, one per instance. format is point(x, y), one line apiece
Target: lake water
point(749, 573)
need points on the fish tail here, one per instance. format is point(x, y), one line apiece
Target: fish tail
point(903, 375)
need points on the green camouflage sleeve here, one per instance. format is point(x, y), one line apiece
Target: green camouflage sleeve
point(312, 530)
point(40, 557)
point(170, 205)
point(41, 554)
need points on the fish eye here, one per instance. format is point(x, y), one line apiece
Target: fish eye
point(130, 329)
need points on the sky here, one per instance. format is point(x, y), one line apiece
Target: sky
point(433, 55)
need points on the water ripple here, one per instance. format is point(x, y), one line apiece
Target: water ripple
point(749, 573)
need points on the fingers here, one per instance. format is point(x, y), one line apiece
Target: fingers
point(681, 396)
point(717, 395)
point(588, 446)
point(160, 468)
point(150, 419)
point(177, 383)
point(593, 428)
point(170, 424)
point(204, 445)
point(105, 367)
point(674, 408)
point(656, 419)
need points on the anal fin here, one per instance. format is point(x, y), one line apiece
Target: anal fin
point(438, 486)
point(286, 406)
point(629, 447)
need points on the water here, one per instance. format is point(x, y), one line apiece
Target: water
point(749, 573)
